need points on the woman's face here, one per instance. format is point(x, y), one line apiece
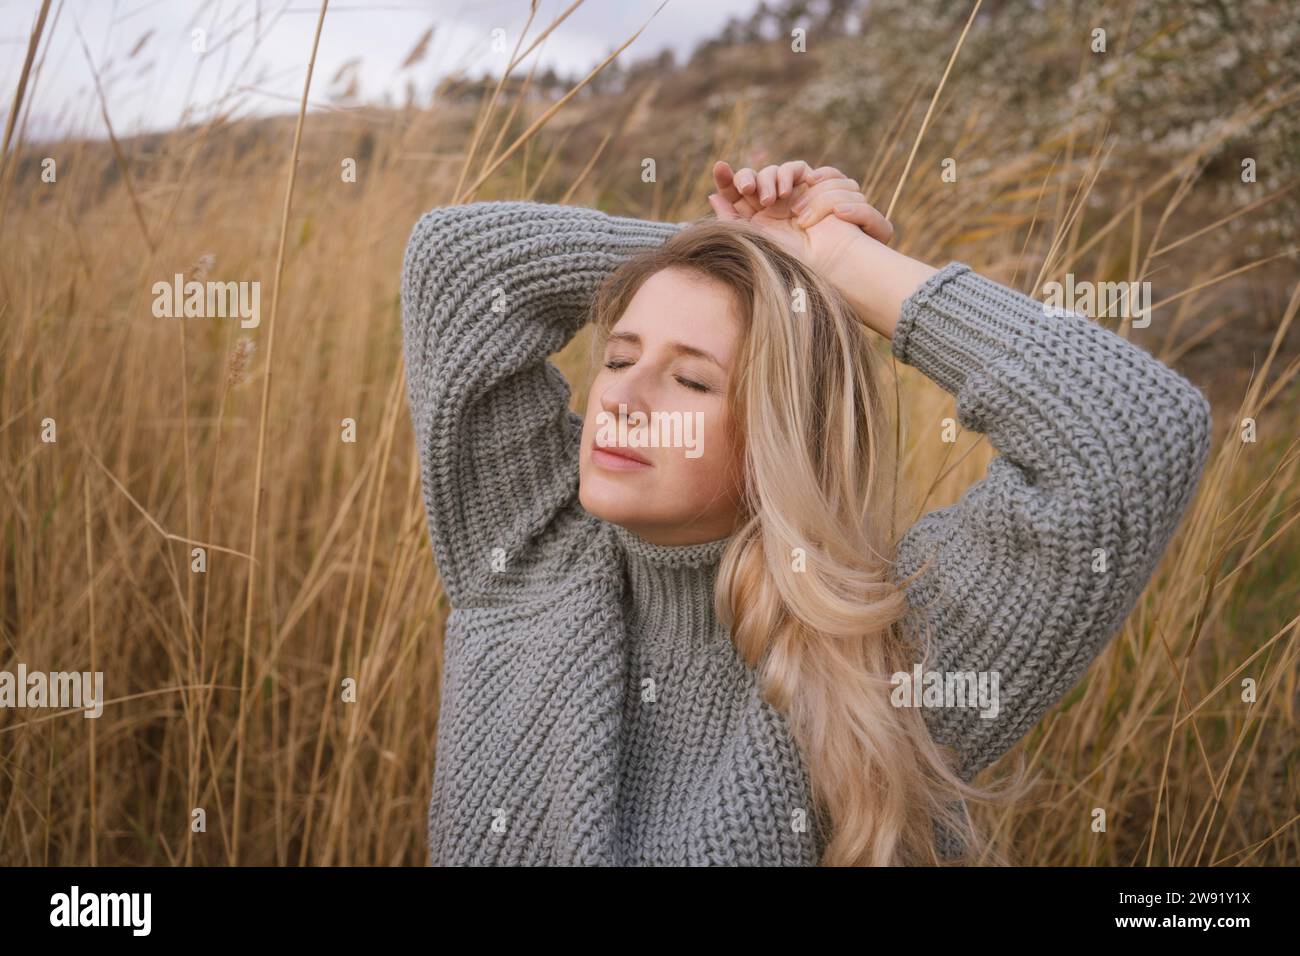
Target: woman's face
point(667, 363)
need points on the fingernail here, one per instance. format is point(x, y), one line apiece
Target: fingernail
point(843, 207)
point(799, 205)
point(803, 219)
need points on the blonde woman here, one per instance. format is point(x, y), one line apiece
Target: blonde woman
point(684, 652)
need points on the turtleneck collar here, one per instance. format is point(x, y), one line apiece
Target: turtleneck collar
point(669, 599)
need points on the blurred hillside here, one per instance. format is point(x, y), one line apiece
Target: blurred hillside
point(1184, 92)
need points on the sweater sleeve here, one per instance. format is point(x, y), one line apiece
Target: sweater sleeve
point(1037, 566)
point(489, 291)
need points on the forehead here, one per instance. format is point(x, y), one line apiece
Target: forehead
point(682, 306)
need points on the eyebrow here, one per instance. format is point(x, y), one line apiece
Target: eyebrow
point(680, 348)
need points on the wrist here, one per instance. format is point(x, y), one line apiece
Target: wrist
point(876, 281)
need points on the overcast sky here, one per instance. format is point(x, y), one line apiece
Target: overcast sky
point(151, 90)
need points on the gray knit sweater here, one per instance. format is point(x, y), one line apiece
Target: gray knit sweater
point(593, 709)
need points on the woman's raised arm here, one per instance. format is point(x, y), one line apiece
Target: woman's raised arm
point(1032, 572)
point(489, 291)
point(1038, 565)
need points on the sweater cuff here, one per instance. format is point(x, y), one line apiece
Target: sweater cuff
point(957, 322)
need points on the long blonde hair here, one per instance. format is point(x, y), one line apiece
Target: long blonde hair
point(805, 585)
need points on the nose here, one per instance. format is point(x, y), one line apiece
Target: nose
point(630, 390)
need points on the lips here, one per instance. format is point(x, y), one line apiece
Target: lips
point(623, 455)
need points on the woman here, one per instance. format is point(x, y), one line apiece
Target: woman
point(687, 655)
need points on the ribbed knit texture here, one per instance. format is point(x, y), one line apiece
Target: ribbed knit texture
point(594, 712)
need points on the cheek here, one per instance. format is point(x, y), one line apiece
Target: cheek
point(713, 473)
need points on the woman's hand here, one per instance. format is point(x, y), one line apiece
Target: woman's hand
point(820, 216)
point(814, 214)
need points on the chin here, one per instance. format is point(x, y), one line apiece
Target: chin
point(599, 505)
point(608, 504)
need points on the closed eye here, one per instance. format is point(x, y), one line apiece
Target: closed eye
point(695, 386)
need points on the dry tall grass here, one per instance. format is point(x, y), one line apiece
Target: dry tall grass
point(223, 687)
